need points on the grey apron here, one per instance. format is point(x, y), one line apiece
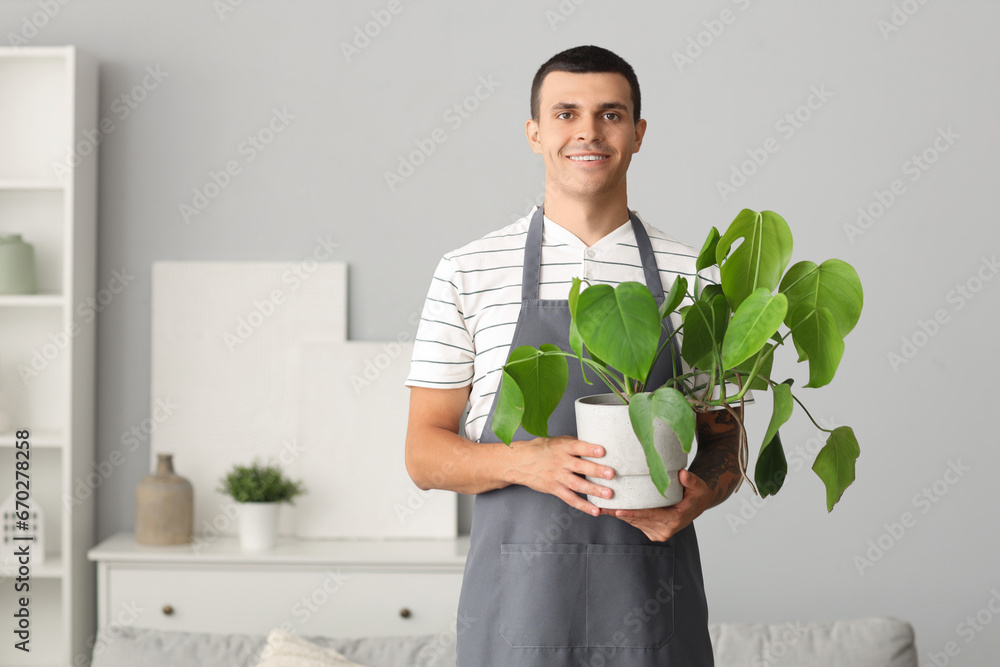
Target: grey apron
point(547, 585)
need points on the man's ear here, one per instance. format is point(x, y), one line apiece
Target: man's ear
point(531, 131)
point(640, 132)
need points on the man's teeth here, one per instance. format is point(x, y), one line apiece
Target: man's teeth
point(587, 157)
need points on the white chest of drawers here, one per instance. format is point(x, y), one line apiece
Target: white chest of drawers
point(327, 587)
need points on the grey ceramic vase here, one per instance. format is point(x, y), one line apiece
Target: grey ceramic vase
point(164, 506)
point(17, 266)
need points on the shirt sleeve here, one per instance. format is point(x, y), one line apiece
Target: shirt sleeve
point(443, 350)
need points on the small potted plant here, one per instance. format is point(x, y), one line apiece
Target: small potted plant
point(259, 491)
point(730, 334)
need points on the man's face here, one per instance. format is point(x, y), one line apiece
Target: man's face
point(584, 132)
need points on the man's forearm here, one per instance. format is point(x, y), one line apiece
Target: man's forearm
point(717, 461)
point(437, 458)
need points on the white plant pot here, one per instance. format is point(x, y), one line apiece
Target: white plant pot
point(258, 525)
point(603, 420)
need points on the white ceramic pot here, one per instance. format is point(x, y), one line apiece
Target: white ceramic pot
point(603, 420)
point(258, 525)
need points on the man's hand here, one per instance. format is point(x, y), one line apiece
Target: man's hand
point(549, 465)
point(661, 523)
point(713, 477)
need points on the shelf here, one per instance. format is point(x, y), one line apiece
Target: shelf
point(31, 184)
point(38, 439)
point(429, 553)
point(52, 568)
point(31, 300)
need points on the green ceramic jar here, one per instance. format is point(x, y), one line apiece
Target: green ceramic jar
point(17, 266)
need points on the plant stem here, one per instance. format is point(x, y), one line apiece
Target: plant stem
point(801, 405)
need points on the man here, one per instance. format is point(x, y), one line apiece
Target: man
point(551, 580)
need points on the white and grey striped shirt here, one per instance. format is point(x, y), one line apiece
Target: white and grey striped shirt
point(474, 300)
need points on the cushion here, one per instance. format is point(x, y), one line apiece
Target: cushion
point(125, 646)
point(864, 642)
point(287, 650)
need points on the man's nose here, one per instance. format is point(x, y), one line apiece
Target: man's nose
point(589, 129)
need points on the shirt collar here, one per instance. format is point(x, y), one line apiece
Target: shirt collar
point(554, 233)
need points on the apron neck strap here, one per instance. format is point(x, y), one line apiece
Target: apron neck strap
point(533, 258)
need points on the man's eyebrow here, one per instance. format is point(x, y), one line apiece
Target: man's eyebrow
point(602, 106)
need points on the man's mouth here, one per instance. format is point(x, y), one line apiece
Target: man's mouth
point(588, 158)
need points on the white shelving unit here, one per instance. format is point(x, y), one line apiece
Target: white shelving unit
point(48, 194)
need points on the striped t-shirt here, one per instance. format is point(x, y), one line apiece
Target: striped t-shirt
point(474, 300)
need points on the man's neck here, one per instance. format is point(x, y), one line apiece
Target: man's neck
point(591, 219)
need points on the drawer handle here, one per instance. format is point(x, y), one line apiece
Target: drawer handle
point(168, 610)
point(405, 612)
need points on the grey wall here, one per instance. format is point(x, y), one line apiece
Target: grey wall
point(891, 92)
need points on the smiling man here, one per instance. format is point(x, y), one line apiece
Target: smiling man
point(551, 580)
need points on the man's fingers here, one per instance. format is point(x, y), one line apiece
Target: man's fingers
point(577, 502)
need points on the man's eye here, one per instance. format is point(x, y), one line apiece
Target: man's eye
point(560, 116)
point(612, 115)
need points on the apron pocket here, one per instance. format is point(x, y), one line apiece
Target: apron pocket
point(630, 595)
point(543, 595)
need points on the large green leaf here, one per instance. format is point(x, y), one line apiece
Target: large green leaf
point(620, 325)
point(509, 411)
point(753, 324)
point(759, 260)
point(771, 468)
point(759, 383)
point(815, 333)
point(542, 380)
point(674, 297)
point(833, 285)
point(710, 292)
point(706, 257)
point(704, 330)
point(780, 413)
point(668, 404)
point(835, 463)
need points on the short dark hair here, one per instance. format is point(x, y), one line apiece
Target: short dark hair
point(581, 60)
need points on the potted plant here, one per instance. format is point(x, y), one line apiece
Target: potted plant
point(259, 491)
point(730, 334)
